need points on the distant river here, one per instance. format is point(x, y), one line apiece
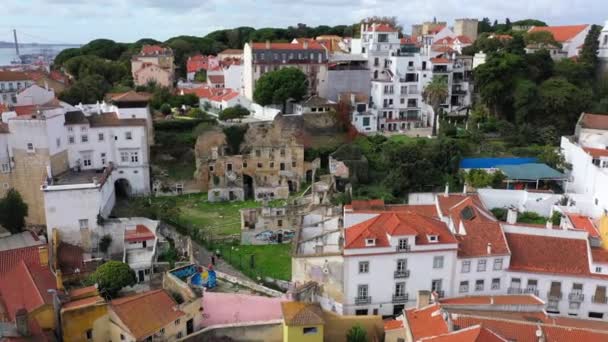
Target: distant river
point(8, 54)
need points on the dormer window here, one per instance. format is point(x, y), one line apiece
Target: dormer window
point(433, 238)
point(370, 242)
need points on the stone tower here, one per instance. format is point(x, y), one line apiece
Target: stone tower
point(466, 27)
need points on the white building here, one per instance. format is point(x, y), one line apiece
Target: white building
point(587, 154)
point(11, 82)
point(571, 37)
point(34, 95)
point(140, 242)
point(361, 118)
point(602, 52)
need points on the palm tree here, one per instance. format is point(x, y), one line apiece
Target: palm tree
point(435, 94)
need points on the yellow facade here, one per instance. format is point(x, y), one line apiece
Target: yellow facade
point(310, 333)
point(76, 322)
point(604, 231)
point(45, 316)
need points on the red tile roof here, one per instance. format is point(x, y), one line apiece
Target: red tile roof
point(479, 237)
point(11, 258)
point(378, 206)
point(470, 334)
point(154, 50)
point(140, 233)
point(312, 45)
point(383, 28)
point(25, 109)
point(397, 224)
point(561, 33)
point(596, 152)
point(199, 62)
point(545, 254)
point(9, 76)
point(216, 79)
point(231, 52)
point(583, 222)
point(493, 300)
point(26, 287)
point(71, 260)
point(594, 121)
point(129, 96)
point(393, 324)
point(439, 60)
point(213, 94)
point(84, 302)
point(599, 254)
point(426, 321)
point(146, 313)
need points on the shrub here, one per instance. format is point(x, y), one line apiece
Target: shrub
point(112, 276)
point(165, 109)
point(235, 112)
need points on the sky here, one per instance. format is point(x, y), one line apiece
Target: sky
point(79, 21)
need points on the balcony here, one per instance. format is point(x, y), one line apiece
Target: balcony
point(401, 298)
point(440, 293)
point(458, 91)
point(402, 274)
point(531, 290)
point(515, 290)
point(405, 248)
point(599, 299)
point(554, 296)
point(576, 297)
point(363, 300)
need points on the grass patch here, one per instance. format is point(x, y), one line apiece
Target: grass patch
point(269, 260)
point(329, 140)
point(401, 138)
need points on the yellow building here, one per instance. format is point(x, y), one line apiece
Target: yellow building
point(85, 316)
point(302, 322)
point(604, 231)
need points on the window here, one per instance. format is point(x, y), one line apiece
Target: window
point(229, 167)
point(433, 238)
point(280, 223)
point(370, 242)
point(282, 152)
point(362, 291)
point(134, 157)
point(6, 167)
point(176, 322)
point(498, 264)
point(83, 128)
point(30, 147)
point(128, 136)
point(86, 160)
point(309, 330)
point(84, 138)
point(162, 331)
point(272, 165)
point(400, 289)
point(574, 305)
point(103, 159)
point(401, 265)
point(438, 262)
point(71, 140)
point(282, 166)
point(466, 266)
point(124, 157)
point(479, 285)
point(496, 284)
point(363, 266)
point(179, 334)
point(464, 287)
point(260, 165)
point(481, 265)
point(258, 153)
point(598, 269)
point(436, 285)
point(293, 164)
point(365, 121)
point(58, 142)
point(403, 245)
point(83, 223)
point(244, 165)
point(100, 136)
point(89, 334)
point(122, 337)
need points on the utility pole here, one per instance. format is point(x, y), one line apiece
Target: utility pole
point(16, 42)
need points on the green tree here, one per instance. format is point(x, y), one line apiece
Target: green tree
point(496, 80)
point(525, 101)
point(201, 76)
point(235, 136)
point(105, 242)
point(590, 48)
point(112, 276)
point(516, 45)
point(539, 65)
point(529, 22)
point(356, 334)
point(13, 211)
point(562, 102)
point(543, 38)
point(235, 112)
point(278, 86)
point(484, 26)
point(165, 109)
point(435, 93)
point(580, 74)
point(89, 89)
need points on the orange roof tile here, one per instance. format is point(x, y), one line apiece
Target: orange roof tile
point(482, 238)
point(154, 50)
point(583, 222)
point(12, 257)
point(217, 79)
point(301, 313)
point(547, 254)
point(594, 121)
point(596, 152)
point(140, 233)
point(393, 324)
point(471, 334)
point(146, 313)
point(26, 287)
point(599, 255)
point(439, 60)
point(83, 291)
point(383, 28)
point(493, 300)
point(426, 321)
point(561, 33)
point(84, 302)
point(14, 76)
point(312, 45)
point(397, 224)
point(129, 96)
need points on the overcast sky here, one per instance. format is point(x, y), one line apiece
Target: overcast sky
point(79, 21)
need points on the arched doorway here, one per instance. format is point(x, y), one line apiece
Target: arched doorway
point(248, 187)
point(122, 188)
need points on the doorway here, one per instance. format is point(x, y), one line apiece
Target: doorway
point(140, 276)
point(248, 187)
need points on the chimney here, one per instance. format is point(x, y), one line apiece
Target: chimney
point(512, 216)
point(446, 193)
point(423, 299)
point(464, 189)
point(489, 248)
point(305, 44)
point(549, 224)
point(21, 322)
point(268, 45)
point(43, 254)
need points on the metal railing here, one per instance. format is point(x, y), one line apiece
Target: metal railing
point(363, 300)
point(599, 299)
point(402, 274)
point(405, 248)
point(515, 290)
point(554, 296)
point(400, 298)
point(576, 297)
point(531, 290)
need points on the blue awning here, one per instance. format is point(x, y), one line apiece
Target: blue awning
point(492, 163)
point(530, 172)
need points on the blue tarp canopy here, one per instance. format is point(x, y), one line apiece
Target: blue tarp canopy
point(530, 172)
point(492, 163)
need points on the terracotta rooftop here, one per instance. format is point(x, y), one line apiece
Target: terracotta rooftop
point(481, 238)
point(216, 79)
point(212, 94)
point(426, 321)
point(11, 76)
point(300, 313)
point(405, 223)
point(594, 121)
point(561, 33)
point(470, 334)
point(312, 45)
point(582, 222)
point(440, 60)
point(493, 300)
point(599, 255)
point(393, 324)
point(545, 254)
point(199, 62)
point(234, 308)
point(231, 52)
point(596, 152)
point(146, 313)
point(148, 50)
point(84, 302)
point(11, 258)
point(129, 96)
point(140, 233)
